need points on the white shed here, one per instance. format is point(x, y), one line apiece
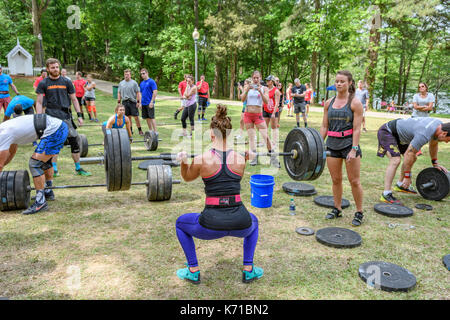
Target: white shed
point(20, 61)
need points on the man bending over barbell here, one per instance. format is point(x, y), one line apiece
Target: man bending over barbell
point(406, 137)
point(26, 129)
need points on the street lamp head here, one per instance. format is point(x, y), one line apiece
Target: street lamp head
point(195, 34)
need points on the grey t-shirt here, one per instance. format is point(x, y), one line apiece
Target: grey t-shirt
point(422, 102)
point(417, 131)
point(128, 90)
point(363, 96)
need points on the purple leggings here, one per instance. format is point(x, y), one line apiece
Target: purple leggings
point(187, 227)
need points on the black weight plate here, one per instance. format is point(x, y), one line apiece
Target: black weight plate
point(84, 145)
point(157, 162)
point(116, 158)
point(152, 187)
point(154, 145)
point(3, 199)
point(321, 154)
point(338, 237)
point(304, 231)
point(312, 151)
point(22, 190)
point(167, 182)
point(299, 189)
point(147, 140)
point(441, 181)
point(423, 206)
point(161, 183)
point(386, 276)
point(297, 168)
point(393, 210)
point(125, 158)
point(446, 261)
point(328, 202)
point(10, 190)
point(109, 170)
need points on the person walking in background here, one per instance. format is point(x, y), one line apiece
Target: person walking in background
point(181, 89)
point(5, 83)
point(149, 91)
point(281, 103)
point(308, 97)
point(203, 97)
point(290, 101)
point(40, 78)
point(89, 96)
point(191, 105)
point(363, 95)
point(299, 93)
point(129, 95)
point(79, 83)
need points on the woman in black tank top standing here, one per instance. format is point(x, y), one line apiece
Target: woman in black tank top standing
point(342, 119)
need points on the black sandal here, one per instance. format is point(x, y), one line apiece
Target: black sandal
point(357, 220)
point(335, 213)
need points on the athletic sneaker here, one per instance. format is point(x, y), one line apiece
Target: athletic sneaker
point(254, 162)
point(390, 199)
point(175, 115)
point(81, 172)
point(357, 220)
point(56, 173)
point(335, 213)
point(49, 195)
point(364, 129)
point(203, 119)
point(274, 162)
point(250, 276)
point(35, 208)
point(186, 274)
point(401, 189)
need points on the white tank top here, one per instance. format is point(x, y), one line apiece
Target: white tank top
point(254, 98)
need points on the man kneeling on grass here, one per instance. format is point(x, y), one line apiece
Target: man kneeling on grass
point(406, 137)
point(26, 129)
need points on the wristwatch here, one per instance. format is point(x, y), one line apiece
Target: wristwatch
point(356, 148)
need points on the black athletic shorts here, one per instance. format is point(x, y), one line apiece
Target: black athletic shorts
point(343, 153)
point(148, 113)
point(130, 108)
point(268, 115)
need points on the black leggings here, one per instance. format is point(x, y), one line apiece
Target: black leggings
point(188, 111)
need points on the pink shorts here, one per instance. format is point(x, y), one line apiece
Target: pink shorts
point(255, 118)
point(4, 102)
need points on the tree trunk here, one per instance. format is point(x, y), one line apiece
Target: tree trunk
point(374, 41)
point(400, 75)
point(315, 54)
point(317, 98)
point(36, 20)
point(233, 62)
point(383, 93)
point(327, 78)
point(405, 80)
point(261, 51)
point(108, 70)
point(217, 71)
point(430, 48)
point(295, 67)
point(196, 13)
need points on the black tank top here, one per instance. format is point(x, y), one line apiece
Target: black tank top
point(224, 183)
point(339, 120)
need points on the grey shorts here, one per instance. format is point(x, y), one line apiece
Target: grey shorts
point(300, 107)
point(72, 129)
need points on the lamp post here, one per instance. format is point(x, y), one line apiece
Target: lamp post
point(195, 36)
point(40, 46)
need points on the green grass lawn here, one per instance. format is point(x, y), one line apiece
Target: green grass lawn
point(125, 247)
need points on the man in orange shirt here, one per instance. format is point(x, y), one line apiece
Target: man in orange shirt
point(203, 97)
point(181, 88)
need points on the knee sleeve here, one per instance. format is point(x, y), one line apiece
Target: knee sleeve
point(36, 167)
point(74, 146)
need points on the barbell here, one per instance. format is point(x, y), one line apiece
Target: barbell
point(150, 141)
point(15, 187)
point(433, 184)
point(304, 156)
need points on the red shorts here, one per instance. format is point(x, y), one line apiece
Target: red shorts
point(4, 102)
point(255, 118)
